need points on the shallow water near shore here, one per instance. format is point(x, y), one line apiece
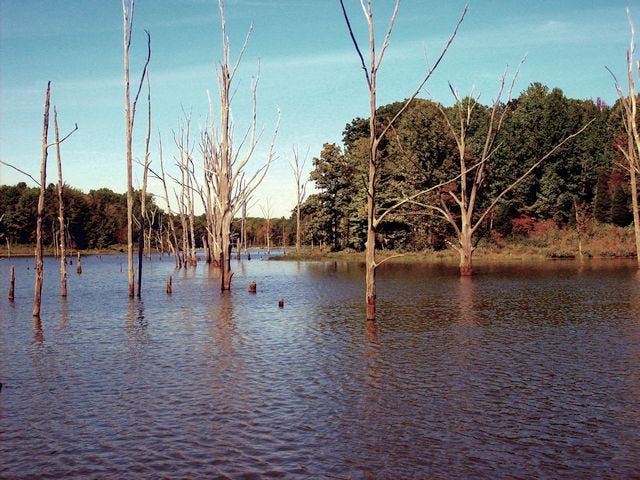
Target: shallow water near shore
point(526, 370)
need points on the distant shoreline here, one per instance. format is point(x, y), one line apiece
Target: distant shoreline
point(488, 254)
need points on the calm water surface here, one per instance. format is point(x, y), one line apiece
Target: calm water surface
point(527, 371)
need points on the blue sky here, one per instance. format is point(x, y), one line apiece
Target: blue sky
point(308, 70)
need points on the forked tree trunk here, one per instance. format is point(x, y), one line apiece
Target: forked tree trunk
point(37, 296)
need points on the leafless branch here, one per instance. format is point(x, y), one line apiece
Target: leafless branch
point(21, 171)
point(355, 44)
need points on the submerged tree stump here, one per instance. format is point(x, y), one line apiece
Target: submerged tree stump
point(12, 282)
point(281, 303)
point(170, 285)
point(252, 287)
point(79, 267)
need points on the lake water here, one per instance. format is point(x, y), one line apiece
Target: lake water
point(525, 371)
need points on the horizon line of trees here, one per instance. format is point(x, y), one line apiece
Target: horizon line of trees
point(98, 220)
point(585, 178)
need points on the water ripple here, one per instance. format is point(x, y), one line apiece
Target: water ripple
point(523, 372)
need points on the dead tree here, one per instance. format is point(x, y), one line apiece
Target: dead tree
point(143, 190)
point(266, 213)
point(128, 7)
point(172, 238)
point(297, 168)
point(225, 163)
point(63, 251)
point(37, 296)
point(243, 226)
point(463, 216)
point(631, 150)
point(378, 132)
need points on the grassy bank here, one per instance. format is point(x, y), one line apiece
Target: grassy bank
point(546, 242)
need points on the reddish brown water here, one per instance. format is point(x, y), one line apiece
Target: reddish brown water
point(529, 371)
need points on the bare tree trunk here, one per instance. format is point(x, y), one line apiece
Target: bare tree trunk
point(244, 227)
point(370, 253)
point(301, 186)
point(128, 7)
point(12, 283)
point(143, 192)
point(239, 242)
point(466, 249)
point(269, 237)
point(266, 211)
point(127, 26)
point(224, 185)
point(63, 252)
point(37, 297)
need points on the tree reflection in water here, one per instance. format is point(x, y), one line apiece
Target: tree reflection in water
point(38, 334)
point(136, 325)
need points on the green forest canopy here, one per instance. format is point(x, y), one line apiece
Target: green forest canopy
point(418, 153)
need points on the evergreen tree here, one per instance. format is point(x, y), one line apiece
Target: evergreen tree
point(602, 200)
point(620, 211)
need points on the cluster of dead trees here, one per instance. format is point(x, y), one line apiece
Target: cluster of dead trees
point(213, 169)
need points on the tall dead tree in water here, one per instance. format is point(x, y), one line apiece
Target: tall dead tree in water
point(61, 219)
point(128, 7)
point(463, 215)
point(224, 162)
point(377, 132)
point(143, 190)
point(631, 150)
point(37, 297)
point(297, 168)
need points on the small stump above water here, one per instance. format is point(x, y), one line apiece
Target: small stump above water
point(252, 287)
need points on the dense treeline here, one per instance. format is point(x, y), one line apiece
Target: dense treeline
point(97, 220)
point(583, 179)
point(94, 220)
point(583, 176)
